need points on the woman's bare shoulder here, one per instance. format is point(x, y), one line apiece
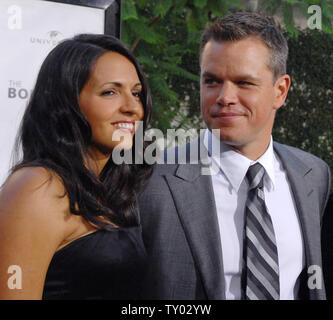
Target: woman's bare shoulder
point(29, 179)
point(34, 193)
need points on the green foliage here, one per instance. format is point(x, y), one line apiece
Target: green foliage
point(287, 10)
point(129, 10)
point(306, 119)
point(200, 3)
point(162, 7)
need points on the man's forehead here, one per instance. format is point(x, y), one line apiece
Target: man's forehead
point(248, 52)
point(254, 41)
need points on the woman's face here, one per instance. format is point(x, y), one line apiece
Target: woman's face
point(110, 100)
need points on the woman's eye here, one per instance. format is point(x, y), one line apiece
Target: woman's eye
point(108, 93)
point(137, 94)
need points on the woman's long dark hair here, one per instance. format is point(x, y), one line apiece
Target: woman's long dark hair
point(55, 134)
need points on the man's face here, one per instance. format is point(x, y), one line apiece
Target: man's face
point(238, 95)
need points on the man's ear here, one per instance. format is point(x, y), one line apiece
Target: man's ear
point(281, 88)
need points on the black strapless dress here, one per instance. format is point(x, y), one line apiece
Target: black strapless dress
point(105, 264)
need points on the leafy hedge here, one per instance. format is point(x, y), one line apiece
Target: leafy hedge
point(306, 119)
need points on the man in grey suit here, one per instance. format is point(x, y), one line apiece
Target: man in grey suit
point(251, 228)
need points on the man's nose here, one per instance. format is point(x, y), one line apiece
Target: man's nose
point(227, 94)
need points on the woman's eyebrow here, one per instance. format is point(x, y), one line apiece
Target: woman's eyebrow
point(119, 84)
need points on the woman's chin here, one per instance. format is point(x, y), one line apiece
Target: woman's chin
point(126, 144)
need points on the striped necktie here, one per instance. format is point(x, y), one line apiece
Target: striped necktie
point(260, 278)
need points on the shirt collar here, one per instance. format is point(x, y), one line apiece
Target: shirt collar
point(234, 165)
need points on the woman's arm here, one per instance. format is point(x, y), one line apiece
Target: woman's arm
point(33, 224)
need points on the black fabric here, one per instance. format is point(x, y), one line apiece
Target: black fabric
point(327, 248)
point(106, 264)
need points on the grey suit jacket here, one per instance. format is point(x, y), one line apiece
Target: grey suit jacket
point(181, 233)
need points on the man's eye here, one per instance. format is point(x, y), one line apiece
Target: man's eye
point(210, 81)
point(244, 83)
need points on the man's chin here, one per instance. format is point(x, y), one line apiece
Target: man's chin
point(228, 139)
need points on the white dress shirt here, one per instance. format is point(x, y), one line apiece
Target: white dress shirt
point(230, 191)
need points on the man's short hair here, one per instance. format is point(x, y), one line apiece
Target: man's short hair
point(241, 25)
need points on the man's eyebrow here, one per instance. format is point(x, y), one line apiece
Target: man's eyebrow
point(210, 75)
point(248, 77)
point(244, 76)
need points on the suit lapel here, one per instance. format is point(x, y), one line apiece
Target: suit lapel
point(195, 203)
point(299, 176)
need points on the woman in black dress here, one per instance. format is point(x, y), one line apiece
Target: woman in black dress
point(68, 218)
